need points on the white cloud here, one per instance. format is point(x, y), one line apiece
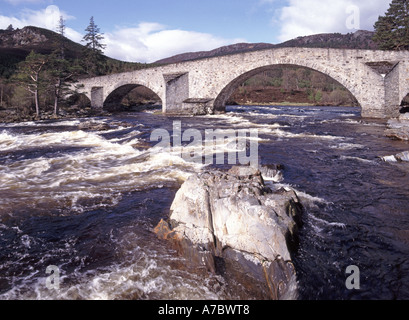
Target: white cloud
point(46, 18)
point(307, 17)
point(150, 42)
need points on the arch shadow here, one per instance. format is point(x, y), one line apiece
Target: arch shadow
point(79, 100)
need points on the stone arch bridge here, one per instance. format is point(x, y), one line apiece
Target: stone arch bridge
point(379, 80)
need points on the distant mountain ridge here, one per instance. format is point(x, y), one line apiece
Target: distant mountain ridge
point(359, 40)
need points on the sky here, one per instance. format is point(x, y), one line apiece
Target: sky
point(150, 30)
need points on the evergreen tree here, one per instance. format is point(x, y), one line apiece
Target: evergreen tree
point(60, 73)
point(93, 37)
point(93, 54)
point(392, 30)
point(30, 76)
point(61, 30)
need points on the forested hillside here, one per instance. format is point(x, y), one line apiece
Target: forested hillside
point(38, 65)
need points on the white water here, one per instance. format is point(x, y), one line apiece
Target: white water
point(100, 169)
point(110, 252)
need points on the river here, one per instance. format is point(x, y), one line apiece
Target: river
point(87, 201)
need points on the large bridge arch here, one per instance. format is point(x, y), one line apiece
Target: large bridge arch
point(228, 88)
point(120, 90)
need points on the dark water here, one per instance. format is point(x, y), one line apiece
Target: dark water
point(87, 202)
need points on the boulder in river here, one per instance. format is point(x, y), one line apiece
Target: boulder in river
point(233, 224)
point(400, 157)
point(399, 128)
point(94, 126)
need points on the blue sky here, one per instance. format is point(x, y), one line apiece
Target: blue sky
point(146, 31)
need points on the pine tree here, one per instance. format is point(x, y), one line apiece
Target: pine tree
point(93, 37)
point(30, 76)
point(60, 73)
point(392, 30)
point(61, 30)
point(94, 48)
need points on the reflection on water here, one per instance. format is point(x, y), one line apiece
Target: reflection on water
point(86, 201)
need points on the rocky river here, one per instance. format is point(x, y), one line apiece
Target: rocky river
point(85, 196)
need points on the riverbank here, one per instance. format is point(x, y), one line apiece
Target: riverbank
point(12, 116)
point(258, 95)
point(70, 113)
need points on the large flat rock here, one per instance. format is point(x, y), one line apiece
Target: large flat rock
point(235, 217)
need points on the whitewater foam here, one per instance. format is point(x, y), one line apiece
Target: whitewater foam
point(100, 170)
point(358, 159)
point(286, 134)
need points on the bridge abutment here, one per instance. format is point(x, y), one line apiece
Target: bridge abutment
point(392, 92)
point(97, 97)
point(177, 91)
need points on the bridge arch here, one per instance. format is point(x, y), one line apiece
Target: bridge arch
point(119, 91)
point(229, 89)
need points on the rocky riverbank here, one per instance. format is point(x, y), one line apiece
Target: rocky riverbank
point(12, 116)
point(233, 224)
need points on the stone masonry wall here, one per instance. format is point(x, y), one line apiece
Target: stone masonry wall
point(214, 79)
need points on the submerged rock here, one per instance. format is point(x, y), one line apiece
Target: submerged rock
point(232, 224)
point(93, 126)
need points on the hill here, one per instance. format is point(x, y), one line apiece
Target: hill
point(15, 45)
point(231, 49)
point(358, 40)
